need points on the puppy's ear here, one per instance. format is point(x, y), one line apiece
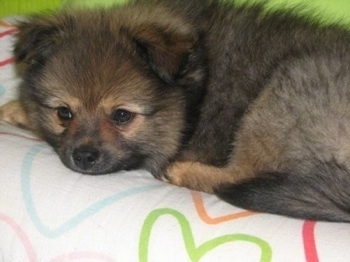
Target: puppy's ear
point(166, 48)
point(35, 39)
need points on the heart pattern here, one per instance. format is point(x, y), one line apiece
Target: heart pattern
point(82, 215)
point(21, 235)
point(308, 231)
point(195, 253)
point(203, 214)
point(32, 254)
point(309, 241)
point(2, 90)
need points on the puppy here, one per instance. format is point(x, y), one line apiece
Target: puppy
point(251, 105)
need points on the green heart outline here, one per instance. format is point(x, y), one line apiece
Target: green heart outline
point(195, 253)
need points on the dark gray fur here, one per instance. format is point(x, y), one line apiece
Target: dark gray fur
point(308, 112)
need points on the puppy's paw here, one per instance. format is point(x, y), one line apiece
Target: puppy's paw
point(177, 172)
point(190, 175)
point(14, 114)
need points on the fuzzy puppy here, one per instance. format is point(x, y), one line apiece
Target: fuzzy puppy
point(253, 106)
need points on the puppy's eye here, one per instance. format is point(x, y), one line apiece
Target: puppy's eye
point(64, 113)
point(122, 116)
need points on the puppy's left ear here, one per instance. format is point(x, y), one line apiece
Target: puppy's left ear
point(35, 39)
point(167, 49)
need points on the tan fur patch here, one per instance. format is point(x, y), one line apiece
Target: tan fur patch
point(201, 177)
point(14, 114)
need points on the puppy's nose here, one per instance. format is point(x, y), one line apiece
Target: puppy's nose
point(85, 157)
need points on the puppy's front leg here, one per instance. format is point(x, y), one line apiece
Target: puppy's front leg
point(14, 114)
point(202, 177)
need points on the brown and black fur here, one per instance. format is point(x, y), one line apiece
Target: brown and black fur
point(250, 105)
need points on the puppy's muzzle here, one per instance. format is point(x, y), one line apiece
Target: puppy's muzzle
point(85, 157)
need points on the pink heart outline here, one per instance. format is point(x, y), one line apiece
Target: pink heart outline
point(31, 253)
point(24, 239)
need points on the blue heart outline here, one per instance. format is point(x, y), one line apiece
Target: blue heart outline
point(2, 91)
point(81, 216)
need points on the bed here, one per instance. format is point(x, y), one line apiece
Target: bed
point(49, 213)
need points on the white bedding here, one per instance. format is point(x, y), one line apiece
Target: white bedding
point(49, 213)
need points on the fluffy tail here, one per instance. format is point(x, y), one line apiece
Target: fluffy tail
point(323, 195)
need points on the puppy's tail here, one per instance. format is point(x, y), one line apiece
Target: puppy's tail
point(323, 195)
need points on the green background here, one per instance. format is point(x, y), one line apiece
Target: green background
point(326, 10)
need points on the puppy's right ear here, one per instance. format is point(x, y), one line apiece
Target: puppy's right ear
point(35, 39)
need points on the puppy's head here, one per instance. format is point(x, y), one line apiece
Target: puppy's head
point(112, 90)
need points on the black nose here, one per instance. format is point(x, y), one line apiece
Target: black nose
point(85, 157)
